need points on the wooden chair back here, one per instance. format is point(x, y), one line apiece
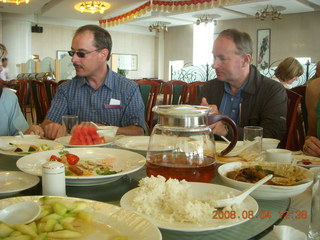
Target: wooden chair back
point(149, 90)
point(40, 99)
point(301, 90)
point(295, 135)
point(194, 91)
point(175, 92)
point(51, 88)
point(25, 98)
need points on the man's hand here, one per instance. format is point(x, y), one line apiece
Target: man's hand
point(217, 128)
point(312, 146)
point(35, 130)
point(54, 130)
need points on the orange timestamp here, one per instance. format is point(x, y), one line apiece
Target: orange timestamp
point(249, 214)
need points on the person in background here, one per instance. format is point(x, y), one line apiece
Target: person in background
point(4, 70)
point(288, 71)
point(312, 142)
point(240, 91)
point(97, 93)
point(11, 118)
point(317, 73)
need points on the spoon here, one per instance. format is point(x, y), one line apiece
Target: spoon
point(21, 134)
point(238, 150)
point(221, 203)
point(225, 139)
point(20, 213)
point(95, 125)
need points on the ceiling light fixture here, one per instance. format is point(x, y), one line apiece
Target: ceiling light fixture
point(206, 18)
point(17, 2)
point(92, 6)
point(269, 11)
point(158, 26)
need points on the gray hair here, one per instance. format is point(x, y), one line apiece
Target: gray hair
point(102, 38)
point(242, 40)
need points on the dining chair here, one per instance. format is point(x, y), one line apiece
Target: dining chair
point(295, 134)
point(24, 98)
point(194, 91)
point(302, 91)
point(149, 90)
point(175, 92)
point(40, 99)
point(51, 88)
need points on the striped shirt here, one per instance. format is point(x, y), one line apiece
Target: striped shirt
point(77, 97)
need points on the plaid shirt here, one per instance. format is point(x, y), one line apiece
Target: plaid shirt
point(77, 97)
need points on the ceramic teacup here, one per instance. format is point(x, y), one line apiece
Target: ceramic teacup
point(278, 155)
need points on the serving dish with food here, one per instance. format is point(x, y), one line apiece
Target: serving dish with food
point(80, 219)
point(86, 166)
point(289, 180)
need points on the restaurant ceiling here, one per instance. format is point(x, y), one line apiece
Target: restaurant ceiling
point(64, 9)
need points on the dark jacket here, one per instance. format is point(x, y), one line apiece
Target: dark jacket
point(264, 103)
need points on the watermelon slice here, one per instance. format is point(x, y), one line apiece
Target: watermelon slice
point(85, 136)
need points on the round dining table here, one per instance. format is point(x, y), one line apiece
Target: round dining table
point(270, 213)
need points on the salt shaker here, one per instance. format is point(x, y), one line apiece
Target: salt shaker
point(314, 226)
point(53, 179)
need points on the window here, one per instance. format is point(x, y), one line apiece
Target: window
point(202, 43)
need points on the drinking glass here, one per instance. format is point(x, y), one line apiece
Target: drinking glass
point(314, 226)
point(253, 133)
point(68, 122)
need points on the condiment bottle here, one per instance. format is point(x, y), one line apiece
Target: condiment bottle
point(53, 179)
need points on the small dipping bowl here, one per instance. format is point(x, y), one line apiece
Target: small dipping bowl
point(20, 213)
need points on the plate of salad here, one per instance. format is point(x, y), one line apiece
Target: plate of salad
point(86, 166)
point(14, 146)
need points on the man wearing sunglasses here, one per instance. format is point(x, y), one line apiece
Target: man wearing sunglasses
point(96, 94)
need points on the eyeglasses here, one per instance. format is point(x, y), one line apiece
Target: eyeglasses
point(81, 54)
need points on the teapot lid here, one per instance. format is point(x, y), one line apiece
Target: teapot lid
point(183, 110)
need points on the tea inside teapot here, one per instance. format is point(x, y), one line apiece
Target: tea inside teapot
point(191, 155)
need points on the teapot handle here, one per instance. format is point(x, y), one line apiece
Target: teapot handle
point(212, 118)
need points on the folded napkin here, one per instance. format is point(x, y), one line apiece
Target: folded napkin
point(288, 233)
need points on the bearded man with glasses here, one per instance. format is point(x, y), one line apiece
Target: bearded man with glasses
point(96, 94)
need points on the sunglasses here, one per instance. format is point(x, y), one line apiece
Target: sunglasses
point(81, 54)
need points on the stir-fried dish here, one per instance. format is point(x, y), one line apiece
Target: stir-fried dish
point(84, 166)
point(254, 174)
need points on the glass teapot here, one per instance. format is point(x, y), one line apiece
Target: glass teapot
point(182, 144)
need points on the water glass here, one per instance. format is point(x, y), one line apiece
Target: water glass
point(253, 133)
point(68, 122)
point(314, 226)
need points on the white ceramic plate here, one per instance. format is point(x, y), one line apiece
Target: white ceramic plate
point(140, 143)
point(122, 221)
point(199, 190)
point(65, 141)
point(267, 192)
point(305, 161)
point(125, 161)
point(14, 181)
point(24, 143)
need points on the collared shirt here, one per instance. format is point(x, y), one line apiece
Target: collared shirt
point(11, 117)
point(77, 97)
point(231, 104)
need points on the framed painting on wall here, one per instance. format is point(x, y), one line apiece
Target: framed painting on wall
point(263, 48)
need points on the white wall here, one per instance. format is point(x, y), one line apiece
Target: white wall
point(294, 35)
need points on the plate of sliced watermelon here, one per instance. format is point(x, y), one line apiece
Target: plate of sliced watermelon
point(84, 137)
point(98, 165)
point(66, 142)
